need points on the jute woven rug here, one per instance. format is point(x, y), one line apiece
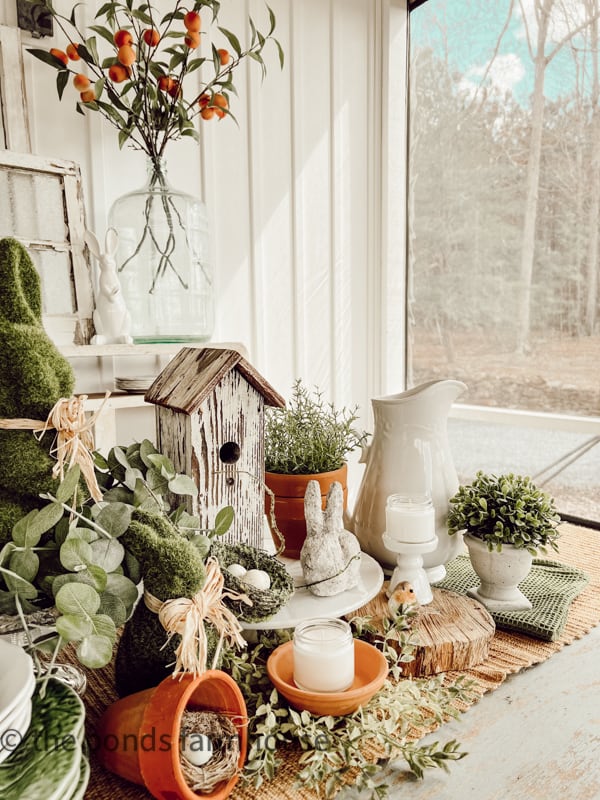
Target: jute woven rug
point(509, 653)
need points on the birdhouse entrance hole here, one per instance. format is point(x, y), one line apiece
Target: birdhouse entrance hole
point(229, 453)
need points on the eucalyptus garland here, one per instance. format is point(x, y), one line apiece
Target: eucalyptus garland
point(335, 750)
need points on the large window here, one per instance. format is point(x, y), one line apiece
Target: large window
point(504, 220)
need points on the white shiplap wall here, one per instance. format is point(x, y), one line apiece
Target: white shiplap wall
point(306, 196)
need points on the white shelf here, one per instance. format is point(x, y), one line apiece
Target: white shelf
point(163, 349)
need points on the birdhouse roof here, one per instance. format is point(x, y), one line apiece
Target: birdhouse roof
point(192, 374)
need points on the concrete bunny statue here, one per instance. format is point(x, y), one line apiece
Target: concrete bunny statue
point(330, 555)
point(111, 317)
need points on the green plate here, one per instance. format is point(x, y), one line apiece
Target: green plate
point(49, 758)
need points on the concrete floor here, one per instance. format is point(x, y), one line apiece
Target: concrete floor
point(537, 737)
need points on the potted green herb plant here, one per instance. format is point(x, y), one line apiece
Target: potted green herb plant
point(507, 520)
point(307, 440)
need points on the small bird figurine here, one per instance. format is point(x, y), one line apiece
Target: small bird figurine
point(401, 599)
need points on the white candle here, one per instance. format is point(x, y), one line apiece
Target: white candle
point(410, 518)
point(323, 655)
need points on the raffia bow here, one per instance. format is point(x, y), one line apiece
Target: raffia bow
point(186, 617)
point(74, 442)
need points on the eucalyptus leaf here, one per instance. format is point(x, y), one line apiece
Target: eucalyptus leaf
point(103, 625)
point(132, 567)
point(46, 518)
point(25, 563)
point(114, 607)
point(20, 530)
point(157, 482)
point(183, 484)
point(107, 554)
point(223, 520)
point(163, 464)
point(69, 484)
point(115, 518)
point(145, 499)
point(77, 598)
point(8, 548)
point(18, 585)
point(122, 588)
point(75, 553)
point(99, 461)
point(71, 577)
point(119, 494)
point(62, 530)
point(187, 522)
point(95, 651)
point(202, 544)
point(147, 449)
point(83, 534)
point(73, 627)
point(117, 457)
point(131, 476)
point(98, 577)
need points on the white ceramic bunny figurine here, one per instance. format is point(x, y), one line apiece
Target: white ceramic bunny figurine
point(111, 317)
point(330, 555)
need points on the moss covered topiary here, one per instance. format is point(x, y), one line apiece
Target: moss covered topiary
point(33, 376)
point(171, 567)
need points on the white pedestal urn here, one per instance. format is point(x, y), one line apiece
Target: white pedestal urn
point(500, 574)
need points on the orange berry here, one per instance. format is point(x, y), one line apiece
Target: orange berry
point(151, 37)
point(81, 82)
point(207, 113)
point(88, 96)
point(192, 21)
point(122, 37)
point(165, 84)
point(73, 52)
point(60, 55)
point(204, 100)
point(224, 56)
point(118, 73)
point(219, 102)
point(192, 39)
point(126, 55)
point(174, 89)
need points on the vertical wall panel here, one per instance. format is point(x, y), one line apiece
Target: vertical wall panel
point(272, 201)
point(312, 186)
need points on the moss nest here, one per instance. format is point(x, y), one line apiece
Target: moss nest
point(265, 603)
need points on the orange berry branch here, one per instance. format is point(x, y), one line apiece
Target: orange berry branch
point(138, 83)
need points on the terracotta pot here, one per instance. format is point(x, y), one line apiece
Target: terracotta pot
point(289, 504)
point(138, 736)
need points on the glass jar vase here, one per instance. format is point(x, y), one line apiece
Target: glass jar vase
point(163, 261)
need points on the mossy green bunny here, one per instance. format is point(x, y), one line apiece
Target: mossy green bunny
point(33, 377)
point(171, 567)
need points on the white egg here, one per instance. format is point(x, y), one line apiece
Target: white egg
point(236, 570)
point(197, 748)
point(257, 578)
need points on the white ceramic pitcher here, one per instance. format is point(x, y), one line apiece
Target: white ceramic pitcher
point(409, 453)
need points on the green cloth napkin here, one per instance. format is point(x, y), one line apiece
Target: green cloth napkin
point(551, 586)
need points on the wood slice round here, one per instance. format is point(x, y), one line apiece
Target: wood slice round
point(452, 632)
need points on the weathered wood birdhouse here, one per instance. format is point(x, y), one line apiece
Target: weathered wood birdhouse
point(210, 422)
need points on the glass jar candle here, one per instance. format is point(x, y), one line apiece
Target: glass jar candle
point(410, 518)
point(323, 652)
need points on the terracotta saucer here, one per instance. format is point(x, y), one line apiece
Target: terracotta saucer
point(371, 669)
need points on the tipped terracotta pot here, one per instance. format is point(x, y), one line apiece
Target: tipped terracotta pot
point(289, 504)
point(138, 736)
